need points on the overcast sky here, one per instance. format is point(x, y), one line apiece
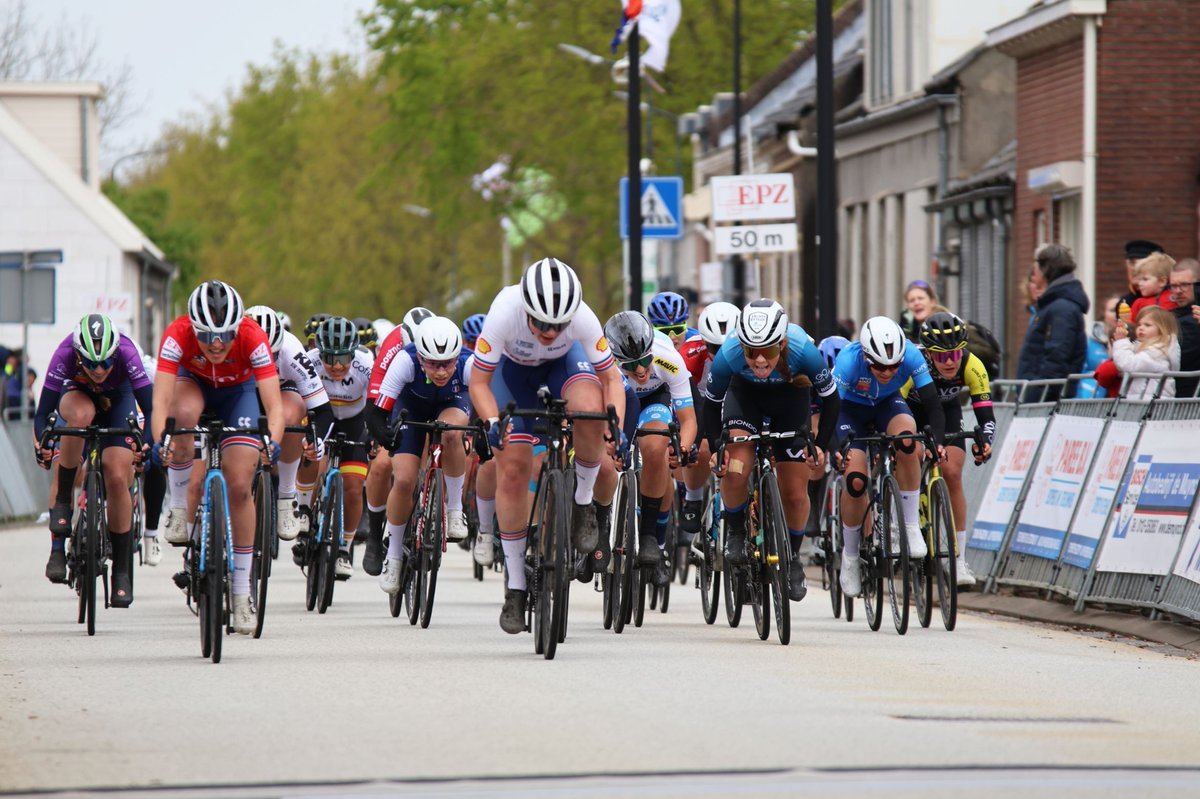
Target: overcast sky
point(186, 55)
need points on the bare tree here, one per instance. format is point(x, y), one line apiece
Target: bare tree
point(64, 51)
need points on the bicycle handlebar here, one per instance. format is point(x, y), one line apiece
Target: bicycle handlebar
point(438, 427)
point(555, 409)
point(217, 430)
point(90, 432)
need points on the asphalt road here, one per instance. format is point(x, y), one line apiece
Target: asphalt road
point(357, 703)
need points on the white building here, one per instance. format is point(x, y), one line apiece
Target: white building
point(50, 200)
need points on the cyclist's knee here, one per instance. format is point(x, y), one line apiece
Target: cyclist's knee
point(856, 484)
point(906, 447)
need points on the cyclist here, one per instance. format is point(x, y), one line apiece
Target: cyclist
point(668, 312)
point(945, 338)
point(95, 377)
point(427, 381)
point(213, 360)
point(869, 375)
point(368, 337)
point(540, 332)
point(154, 482)
point(764, 372)
point(660, 380)
point(412, 320)
point(310, 327)
point(344, 368)
point(302, 394)
point(472, 326)
point(286, 321)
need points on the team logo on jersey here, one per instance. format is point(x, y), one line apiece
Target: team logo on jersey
point(482, 346)
point(602, 344)
point(171, 349)
point(863, 385)
point(664, 363)
point(261, 356)
point(757, 321)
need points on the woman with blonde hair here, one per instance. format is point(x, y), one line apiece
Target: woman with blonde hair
point(1156, 352)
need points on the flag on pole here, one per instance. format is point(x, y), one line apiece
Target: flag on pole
point(658, 20)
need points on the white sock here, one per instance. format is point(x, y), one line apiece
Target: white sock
point(349, 536)
point(150, 532)
point(487, 514)
point(243, 557)
point(454, 486)
point(376, 508)
point(395, 540)
point(694, 494)
point(179, 475)
point(514, 559)
point(960, 543)
point(304, 495)
point(287, 478)
point(585, 480)
point(910, 503)
point(851, 540)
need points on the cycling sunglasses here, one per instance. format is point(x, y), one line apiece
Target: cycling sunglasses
point(343, 359)
point(947, 356)
point(672, 330)
point(632, 366)
point(212, 336)
point(752, 353)
point(882, 368)
point(548, 327)
point(440, 366)
point(96, 366)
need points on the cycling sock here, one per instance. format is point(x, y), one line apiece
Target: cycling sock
point(287, 478)
point(960, 541)
point(376, 508)
point(349, 536)
point(120, 551)
point(154, 487)
point(487, 513)
point(242, 558)
point(454, 487)
point(648, 521)
point(66, 484)
point(797, 537)
point(693, 494)
point(304, 492)
point(851, 540)
point(376, 520)
point(660, 529)
point(585, 480)
point(514, 558)
point(180, 474)
point(395, 540)
point(735, 517)
point(910, 503)
point(58, 543)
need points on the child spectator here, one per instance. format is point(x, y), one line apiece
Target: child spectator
point(1151, 276)
point(1156, 352)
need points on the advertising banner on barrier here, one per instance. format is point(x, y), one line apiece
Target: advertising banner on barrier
point(1056, 483)
point(1004, 487)
point(1100, 493)
point(1155, 501)
point(1188, 566)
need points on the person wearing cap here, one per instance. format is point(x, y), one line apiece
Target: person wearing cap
point(1056, 343)
point(1135, 250)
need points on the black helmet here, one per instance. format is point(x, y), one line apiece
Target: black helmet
point(337, 335)
point(314, 321)
point(630, 335)
point(367, 335)
point(943, 331)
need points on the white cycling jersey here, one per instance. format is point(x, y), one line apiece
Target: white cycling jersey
point(348, 396)
point(295, 366)
point(506, 332)
point(667, 369)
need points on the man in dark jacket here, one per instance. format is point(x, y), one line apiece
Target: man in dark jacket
point(1056, 343)
point(1183, 275)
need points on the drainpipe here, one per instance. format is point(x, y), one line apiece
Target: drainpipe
point(85, 167)
point(1088, 234)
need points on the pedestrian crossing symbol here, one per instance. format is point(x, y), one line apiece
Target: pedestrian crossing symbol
point(662, 207)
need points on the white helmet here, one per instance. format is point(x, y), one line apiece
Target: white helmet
point(438, 339)
point(285, 320)
point(762, 323)
point(215, 307)
point(718, 321)
point(411, 321)
point(383, 327)
point(882, 341)
point(271, 324)
point(551, 291)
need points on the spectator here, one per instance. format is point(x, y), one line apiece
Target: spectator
point(1056, 343)
point(919, 297)
point(1183, 277)
point(1151, 276)
point(1156, 352)
point(1135, 251)
point(12, 381)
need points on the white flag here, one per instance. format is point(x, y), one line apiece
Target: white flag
point(657, 23)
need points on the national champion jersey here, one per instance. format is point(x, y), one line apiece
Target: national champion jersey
point(249, 355)
point(295, 365)
point(506, 333)
point(391, 346)
point(406, 379)
point(803, 358)
point(128, 368)
point(856, 382)
point(696, 358)
point(348, 396)
point(667, 369)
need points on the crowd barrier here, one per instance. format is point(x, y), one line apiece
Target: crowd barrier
point(24, 488)
point(1091, 499)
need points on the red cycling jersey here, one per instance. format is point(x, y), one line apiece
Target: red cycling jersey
point(391, 346)
point(249, 355)
point(695, 357)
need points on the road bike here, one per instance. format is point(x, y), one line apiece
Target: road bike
point(830, 525)
point(706, 552)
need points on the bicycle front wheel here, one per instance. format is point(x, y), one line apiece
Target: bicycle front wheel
point(778, 560)
point(212, 606)
point(93, 536)
point(264, 535)
point(943, 555)
point(431, 548)
point(627, 533)
point(555, 511)
point(706, 577)
point(327, 552)
point(895, 553)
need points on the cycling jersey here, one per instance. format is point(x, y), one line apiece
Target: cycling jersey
point(297, 369)
point(803, 359)
point(696, 358)
point(667, 369)
point(391, 346)
point(128, 375)
point(971, 375)
point(249, 355)
point(506, 333)
point(856, 382)
point(406, 380)
point(348, 396)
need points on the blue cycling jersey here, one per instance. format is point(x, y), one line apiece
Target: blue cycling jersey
point(803, 358)
point(857, 383)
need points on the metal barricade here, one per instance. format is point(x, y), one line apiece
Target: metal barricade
point(1004, 408)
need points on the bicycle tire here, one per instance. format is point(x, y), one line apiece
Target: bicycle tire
point(431, 551)
point(609, 582)
point(556, 511)
point(414, 589)
point(831, 545)
point(707, 580)
point(733, 596)
point(214, 572)
point(260, 570)
point(896, 569)
point(871, 568)
point(641, 595)
point(137, 525)
point(396, 600)
point(629, 549)
point(776, 538)
point(921, 572)
point(330, 535)
point(75, 566)
point(945, 543)
point(756, 582)
point(93, 535)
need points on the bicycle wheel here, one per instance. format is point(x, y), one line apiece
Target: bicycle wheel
point(896, 565)
point(93, 532)
point(414, 588)
point(641, 595)
point(921, 571)
point(551, 560)
point(628, 532)
point(75, 566)
point(733, 595)
point(609, 581)
point(331, 533)
point(707, 579)
point(260, 570)
point(396, 600)
point(945, 560)
point(212, 607)
point(779, 560)
point(431, 551)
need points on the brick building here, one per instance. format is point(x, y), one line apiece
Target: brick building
point(1108, 133)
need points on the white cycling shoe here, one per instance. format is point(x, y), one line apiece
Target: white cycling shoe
point(291, 521)
point(244, 620)
point(966, 577)
point(175, 531)
point(851, 579)
point(456, 525)
point(484, 551)
point(916, 542)
point(151, 550)
point(344, 567)
point(389, 578)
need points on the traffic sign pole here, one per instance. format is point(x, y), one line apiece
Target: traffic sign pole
point(633, 200)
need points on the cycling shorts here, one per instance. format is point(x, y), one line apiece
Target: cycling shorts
point(954, 418)
point(355, 458)
point(412, 441)
point(112, 410)
point(864, 420)
point(747, 405)
point(515, 382)
point(235, 406)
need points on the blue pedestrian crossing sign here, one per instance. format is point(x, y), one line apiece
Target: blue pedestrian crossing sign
point(662, 208)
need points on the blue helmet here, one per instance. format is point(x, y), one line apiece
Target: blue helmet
point(667, 308)
point(831, 346)
point(472, 326)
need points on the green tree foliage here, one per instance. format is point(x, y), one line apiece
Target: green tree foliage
point(302, 191)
